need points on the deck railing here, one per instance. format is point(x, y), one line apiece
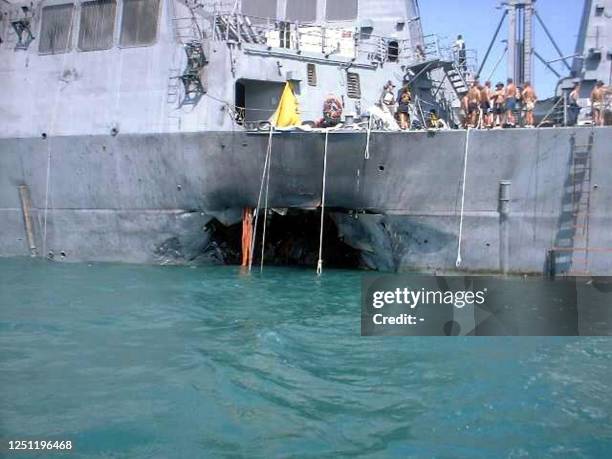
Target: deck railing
point(345, 42)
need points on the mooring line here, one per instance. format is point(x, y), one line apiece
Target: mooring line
point(263, 236)
point(50, 133)
point(47, 185)
point(263, 178)
point(465, 160)
point(320, 262)
point(368, 134)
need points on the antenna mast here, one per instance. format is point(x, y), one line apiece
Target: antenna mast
point(520, 40)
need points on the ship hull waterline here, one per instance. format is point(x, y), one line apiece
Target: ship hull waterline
point(122, 198)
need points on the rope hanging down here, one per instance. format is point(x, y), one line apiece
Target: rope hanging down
point(368, 134)
point(263, 236)
point(50, 133)
point(320, 262)
point(465, 160)
point(261, 187)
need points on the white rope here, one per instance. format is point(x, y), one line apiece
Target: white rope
point(263, 236)
point(263, 178)
point(48, 181)
point(320, 262)
point(52, 131)
point(465, 160)
point(368, 133)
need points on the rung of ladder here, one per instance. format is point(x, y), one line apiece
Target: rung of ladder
point(583, 249)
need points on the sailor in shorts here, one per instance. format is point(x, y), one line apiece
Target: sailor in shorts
point(598, 103)
point(511, 97)
point(485, 105)
point(473, 105)
point(529, 100)
point(499, 97)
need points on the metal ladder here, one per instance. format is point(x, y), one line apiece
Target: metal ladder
point(186, 29)
point(456, 79)
point(16, 26)
point(572, 247)
point(236, 28)
point(188, 34)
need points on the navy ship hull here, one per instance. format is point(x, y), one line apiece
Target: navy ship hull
point(149, 198)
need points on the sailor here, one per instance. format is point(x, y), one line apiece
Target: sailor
point(434, 121)
point(482, 107)
point(473, 104)
point(574, 107)
point(511, 98)
point(460, 54)
point(404, 98)
point(499, 97)
point(465, 112)
point(529, 99)
point(597, 103)
point(485, 104)
point(420, 53)
point(519, 107)
point(387, 98)
point(332, 111)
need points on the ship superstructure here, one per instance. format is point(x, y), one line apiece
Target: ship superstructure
point(170, 66)
point(592, 60)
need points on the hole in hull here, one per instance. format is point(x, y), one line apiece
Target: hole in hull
point(292, 239)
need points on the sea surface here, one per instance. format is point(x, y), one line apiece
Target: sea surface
point(178, 362)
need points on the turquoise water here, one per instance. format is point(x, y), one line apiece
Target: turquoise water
point(165, 362)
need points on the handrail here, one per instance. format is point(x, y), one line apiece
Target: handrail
point(307, 36)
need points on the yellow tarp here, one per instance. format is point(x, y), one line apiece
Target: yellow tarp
point(287, 112)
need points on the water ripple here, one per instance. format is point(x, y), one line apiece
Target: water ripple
point(146, 362)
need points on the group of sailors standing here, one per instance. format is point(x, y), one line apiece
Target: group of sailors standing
point(485, 107)
point(482, 106)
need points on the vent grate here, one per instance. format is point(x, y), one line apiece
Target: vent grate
point(311, 71)
point(353, 85)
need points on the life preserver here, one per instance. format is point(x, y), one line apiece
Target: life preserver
point(332, 108)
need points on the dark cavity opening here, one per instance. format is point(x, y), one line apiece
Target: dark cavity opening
point(292, 239)
point(393, 51)
point(240, 102)
point(256, 100)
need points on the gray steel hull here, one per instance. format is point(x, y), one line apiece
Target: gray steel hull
point(123, 198)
